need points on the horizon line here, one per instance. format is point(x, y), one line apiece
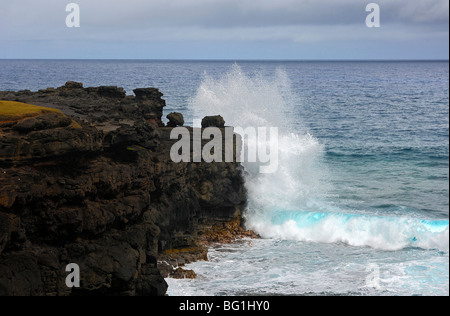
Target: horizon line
point(234, 59)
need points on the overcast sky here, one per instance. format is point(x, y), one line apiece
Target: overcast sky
point(225, 29)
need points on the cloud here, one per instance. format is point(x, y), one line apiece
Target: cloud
point(251, 13)
point(295, 21)
point(430, 11)
point(219, 13)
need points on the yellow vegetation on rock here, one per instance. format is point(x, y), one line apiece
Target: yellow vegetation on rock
point(75, 125)
point(11, 111)
point(14, 111)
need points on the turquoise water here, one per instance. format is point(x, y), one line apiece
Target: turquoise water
point(359, 203)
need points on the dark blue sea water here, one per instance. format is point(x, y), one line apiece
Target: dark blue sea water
point(359, 204)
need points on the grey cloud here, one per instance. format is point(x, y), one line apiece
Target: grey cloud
point(251, 13)
point(247, 19)
point(430, 11)
point(230, 13)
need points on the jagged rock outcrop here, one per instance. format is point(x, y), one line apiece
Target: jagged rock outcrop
point(175, 119)
point(96, 186)
point(213, 121)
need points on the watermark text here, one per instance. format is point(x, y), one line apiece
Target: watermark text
point(73, 18)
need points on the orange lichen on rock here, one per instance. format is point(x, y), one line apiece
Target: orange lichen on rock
point(183, 250)
point(225, 233)
point(181, 273)
point(170, 261)
point(4, 201)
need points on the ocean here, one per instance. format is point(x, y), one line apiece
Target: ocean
point(359, 203)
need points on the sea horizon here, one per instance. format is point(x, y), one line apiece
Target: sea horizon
point(232, 59)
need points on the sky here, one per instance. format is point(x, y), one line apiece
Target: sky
point(225, 29)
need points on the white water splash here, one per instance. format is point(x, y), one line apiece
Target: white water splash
point(292, 203)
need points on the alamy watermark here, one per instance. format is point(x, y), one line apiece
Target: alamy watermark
point(226, 145)
point(373, 19)
point(73, 278)
point(73, 18)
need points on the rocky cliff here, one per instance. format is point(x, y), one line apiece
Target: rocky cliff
point(87, 178)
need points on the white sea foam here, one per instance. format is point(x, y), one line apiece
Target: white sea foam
point(314, 243)
point(380, 232)
point(292, 203)
point(244, 100)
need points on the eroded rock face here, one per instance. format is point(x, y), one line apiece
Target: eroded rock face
point(213, 121)
point(175, 119)
point(102, 193)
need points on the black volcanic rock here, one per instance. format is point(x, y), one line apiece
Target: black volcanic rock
point(101, 191)
point(73, 85)
point(175, 119)
point(151, 104)
point(143, 94)
point(111, 92)
point(213, 121)
point(47, 143)
point(46, 121)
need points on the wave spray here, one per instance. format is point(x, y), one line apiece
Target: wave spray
point(293, 203)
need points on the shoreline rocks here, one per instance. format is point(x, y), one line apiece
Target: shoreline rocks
point(213, 121)
point(175, 119)
point(96, 186)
